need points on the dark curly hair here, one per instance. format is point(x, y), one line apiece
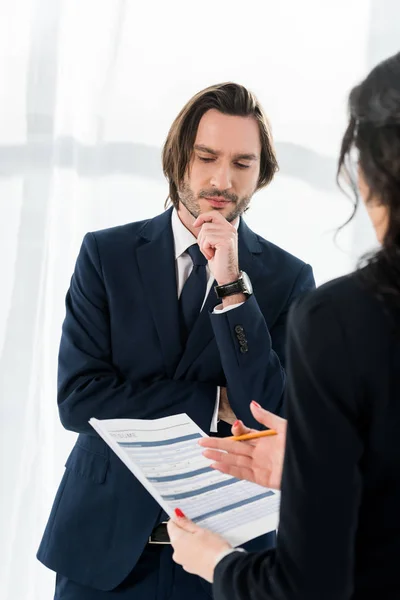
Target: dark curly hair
point(374, 133)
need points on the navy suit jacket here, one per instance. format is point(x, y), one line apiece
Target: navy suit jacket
point(121, 357)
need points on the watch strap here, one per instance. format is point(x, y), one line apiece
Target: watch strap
point(229, 289)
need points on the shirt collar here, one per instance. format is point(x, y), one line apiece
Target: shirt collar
point(183, 238)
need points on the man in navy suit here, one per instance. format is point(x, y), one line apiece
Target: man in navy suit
point(185, 312)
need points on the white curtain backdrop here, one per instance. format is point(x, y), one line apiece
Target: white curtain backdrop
point(88, 89)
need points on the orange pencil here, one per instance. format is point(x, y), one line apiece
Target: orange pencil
point(252, 436)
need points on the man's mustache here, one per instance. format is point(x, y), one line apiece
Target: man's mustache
point(218, 194)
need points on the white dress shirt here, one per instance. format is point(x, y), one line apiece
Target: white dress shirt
point(183, 239)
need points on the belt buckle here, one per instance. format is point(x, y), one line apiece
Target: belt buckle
point(151, 541)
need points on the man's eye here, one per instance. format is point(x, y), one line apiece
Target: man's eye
point(241, 166)
point(206, 160)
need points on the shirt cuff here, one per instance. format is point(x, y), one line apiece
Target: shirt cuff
point(214, 420)
point(226, 553)
point(218, 310)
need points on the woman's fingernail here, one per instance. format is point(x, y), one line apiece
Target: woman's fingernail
point(254, 403)
point(179, 513)
point(236, 423)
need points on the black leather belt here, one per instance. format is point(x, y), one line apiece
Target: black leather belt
point(159, 535)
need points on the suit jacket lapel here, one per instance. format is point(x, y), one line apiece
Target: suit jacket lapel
point(249, 249)
point(156, 260)
point(201, 334)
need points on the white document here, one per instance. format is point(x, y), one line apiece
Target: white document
point(165, 457)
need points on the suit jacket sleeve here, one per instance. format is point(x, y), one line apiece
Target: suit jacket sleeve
point(88, 383)
point(321, 486)
point(256, 371)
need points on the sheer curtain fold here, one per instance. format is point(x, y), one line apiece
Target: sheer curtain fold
point(88, 92)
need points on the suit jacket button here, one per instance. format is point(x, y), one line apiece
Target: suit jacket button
point(239, 329)
point(244, 349)
point(243, 342)
point(240, 336)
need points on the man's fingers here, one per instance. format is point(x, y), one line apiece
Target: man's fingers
point(212, 238)
point(209, 244)
point(204, 218)
point(210, 228)
point(208, 253)
point(212, 216)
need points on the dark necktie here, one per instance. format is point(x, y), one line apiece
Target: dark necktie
point(194, 290)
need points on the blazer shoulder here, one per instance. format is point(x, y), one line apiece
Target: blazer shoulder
point(113, 241)
point(137, 232)
point(349, 300)
point(282, 261)
point(119, 232)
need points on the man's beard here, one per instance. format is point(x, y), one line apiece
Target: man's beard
point(191, 203)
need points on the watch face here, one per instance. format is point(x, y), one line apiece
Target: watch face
point(246, 283)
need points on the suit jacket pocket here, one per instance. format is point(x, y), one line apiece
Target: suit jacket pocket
point(88, 464)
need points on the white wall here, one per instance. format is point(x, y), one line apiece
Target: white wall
point(89, 90)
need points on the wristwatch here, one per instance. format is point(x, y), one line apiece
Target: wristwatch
point(241, 286)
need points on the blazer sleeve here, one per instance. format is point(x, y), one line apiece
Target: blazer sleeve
point(88, 383)
point(253, 357)
point(322, 482)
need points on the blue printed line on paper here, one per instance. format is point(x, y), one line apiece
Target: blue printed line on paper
point(180, 476)
point(184, 438)
point(223, 509)
point(203, 490)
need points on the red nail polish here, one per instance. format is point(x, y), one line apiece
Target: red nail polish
point(236, 423)
point(254, 403)
point(179, 513)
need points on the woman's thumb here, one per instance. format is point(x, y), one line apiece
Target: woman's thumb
point(183, 522)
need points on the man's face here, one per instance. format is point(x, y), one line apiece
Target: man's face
point(225, 166)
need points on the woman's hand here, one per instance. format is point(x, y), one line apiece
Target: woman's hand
point(259, 460)
point(198, 550)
